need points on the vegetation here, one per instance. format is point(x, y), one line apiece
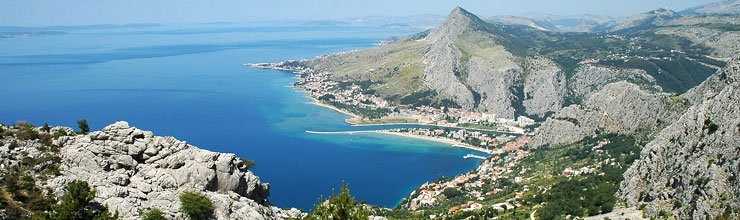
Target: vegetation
point(371, 113)
point(84, 128)
point(365, 121)
point(339, 207)
point(248, 163)
point(153, 214)
point(709, 126)
point(19, 194)
point(197, 206)
point(77, 204)
point(542, 185)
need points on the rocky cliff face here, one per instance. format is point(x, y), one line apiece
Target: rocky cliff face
point(619, 107)
point(690, 170)
point(466, 66)
point(134, 170)
point(545, 87)
point(589, 79)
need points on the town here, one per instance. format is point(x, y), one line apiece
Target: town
point(357, 99)
point(488, 178)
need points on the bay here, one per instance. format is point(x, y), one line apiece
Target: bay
point(187, 81)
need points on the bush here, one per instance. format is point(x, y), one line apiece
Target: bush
point(84, 128)
point(153, 214)
point(248, 163)
point(25, 131)
point(339, 207)
point(77, 204)
point(452, 193)
point(197, 206)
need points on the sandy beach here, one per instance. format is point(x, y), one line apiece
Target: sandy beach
point(316, 102)
point(453, 143)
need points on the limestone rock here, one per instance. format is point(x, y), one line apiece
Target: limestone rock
point(134, 170)
point(690, 169)
point(620, 107)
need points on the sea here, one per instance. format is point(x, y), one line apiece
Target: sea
point(188, 81)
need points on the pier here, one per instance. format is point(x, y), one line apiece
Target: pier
point(474, 156)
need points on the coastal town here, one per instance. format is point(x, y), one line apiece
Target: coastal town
point(480, 184)
point(367, 108)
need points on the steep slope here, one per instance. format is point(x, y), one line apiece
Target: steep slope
point(657, 17)
point(619, 107)
point(464, 60)
point(690, 170)
point(721, 7)
point(133, 170)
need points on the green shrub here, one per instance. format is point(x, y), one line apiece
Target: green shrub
point(248, 163)
point(339, 207)
point(46, 127)
point(58, 134)
point(84, 128)
point(452, 193)
point(153, 214)
point(77, 204)
point(197, 206)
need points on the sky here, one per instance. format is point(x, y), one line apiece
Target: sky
point(83, 12)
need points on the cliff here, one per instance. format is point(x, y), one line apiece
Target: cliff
point(690, 170)
point(135, 170)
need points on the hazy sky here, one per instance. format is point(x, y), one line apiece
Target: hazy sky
point(77, 12)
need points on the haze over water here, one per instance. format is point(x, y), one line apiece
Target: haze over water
point(188, 82)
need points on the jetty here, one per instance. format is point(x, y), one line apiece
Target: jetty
point(474, 156)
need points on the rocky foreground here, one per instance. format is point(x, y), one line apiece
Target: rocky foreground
point(134, 170)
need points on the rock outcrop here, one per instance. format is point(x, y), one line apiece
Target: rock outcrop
point(134, 170)
point(461, 65)
point(691, 169)
point(619, 107)
point(589, 79)
point(545, 87)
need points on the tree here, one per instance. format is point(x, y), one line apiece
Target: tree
point(77, 205)
point(46, 127)
point(339, 207)
point(196, 205)
point(153, 214)
point(84, 128)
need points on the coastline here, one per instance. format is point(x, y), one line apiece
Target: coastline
point(452, 143)
point(316, 102)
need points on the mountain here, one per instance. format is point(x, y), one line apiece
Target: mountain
point(722, 7)
point(573, 23)
point(512, 20)
point(657, 17)
point(514, 70)
point(690, 170)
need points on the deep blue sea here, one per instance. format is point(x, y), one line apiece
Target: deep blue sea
point(187, 81)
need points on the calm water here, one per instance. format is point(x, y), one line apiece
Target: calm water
point(188, 82)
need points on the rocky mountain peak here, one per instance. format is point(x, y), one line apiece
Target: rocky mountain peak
point(665, 12)
point(455, 23)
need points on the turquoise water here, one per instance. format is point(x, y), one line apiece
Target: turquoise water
point(188, 82)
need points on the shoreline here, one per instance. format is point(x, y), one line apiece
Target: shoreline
point(315, 101)
point(451, 142)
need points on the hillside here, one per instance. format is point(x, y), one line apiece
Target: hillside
point(721, 7)
point(519, 70)
point(690, 170)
